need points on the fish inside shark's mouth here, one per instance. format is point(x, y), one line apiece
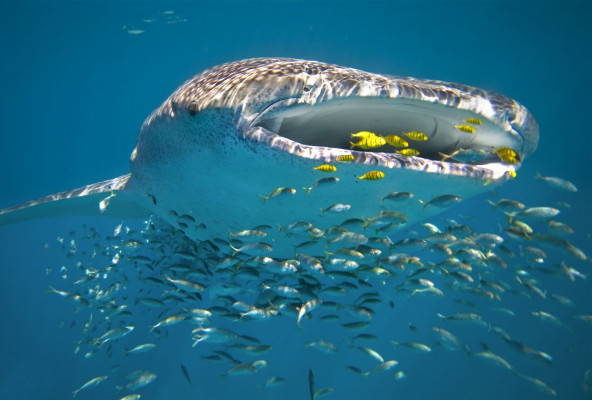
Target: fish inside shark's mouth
point(404, 127)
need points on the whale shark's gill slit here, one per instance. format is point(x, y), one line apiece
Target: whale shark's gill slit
point(332, 124)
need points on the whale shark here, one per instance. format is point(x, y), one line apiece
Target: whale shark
point(238, 146)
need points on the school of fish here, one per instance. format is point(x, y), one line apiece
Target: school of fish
point(215, 290)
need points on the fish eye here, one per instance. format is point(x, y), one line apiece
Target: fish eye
point(306, 88)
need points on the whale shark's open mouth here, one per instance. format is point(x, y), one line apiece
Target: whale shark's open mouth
point(452, 136)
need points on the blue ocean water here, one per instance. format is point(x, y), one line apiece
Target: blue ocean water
point(77, 85)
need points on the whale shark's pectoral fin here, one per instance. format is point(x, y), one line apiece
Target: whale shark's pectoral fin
point(107, 198)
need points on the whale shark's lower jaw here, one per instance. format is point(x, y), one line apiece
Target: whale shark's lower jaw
point(323, 132)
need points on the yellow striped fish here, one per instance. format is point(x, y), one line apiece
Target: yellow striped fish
point(368, 140)
point(345, 158)
point(465, 128)
point(507, 155)
point(326, 168)
point(372, 176)
point(396, 141)
point(418, 136)
point(473, 121)
point(408, 152)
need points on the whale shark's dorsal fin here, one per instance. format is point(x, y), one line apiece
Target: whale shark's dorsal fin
point(102, 198)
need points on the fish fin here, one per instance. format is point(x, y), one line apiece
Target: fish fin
point(106, 198)
point(425, 204)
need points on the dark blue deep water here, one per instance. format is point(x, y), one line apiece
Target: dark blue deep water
point(75, 87)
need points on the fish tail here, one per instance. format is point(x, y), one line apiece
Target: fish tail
point(539, 176)
point(322, 211)
point(366, 224)
point(264, 198)
point(307, 189)
point(441, 316)
point(74, 393)
point(444, 156)
point(511, 217)
point(424, 204)
point(233, 248)
point(196, 341)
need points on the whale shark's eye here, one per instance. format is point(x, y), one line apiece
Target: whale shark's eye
point(192, 107)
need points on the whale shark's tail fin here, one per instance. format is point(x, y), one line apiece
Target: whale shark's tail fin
point(106, 198)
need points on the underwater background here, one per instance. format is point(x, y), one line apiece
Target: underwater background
point(78, 79)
